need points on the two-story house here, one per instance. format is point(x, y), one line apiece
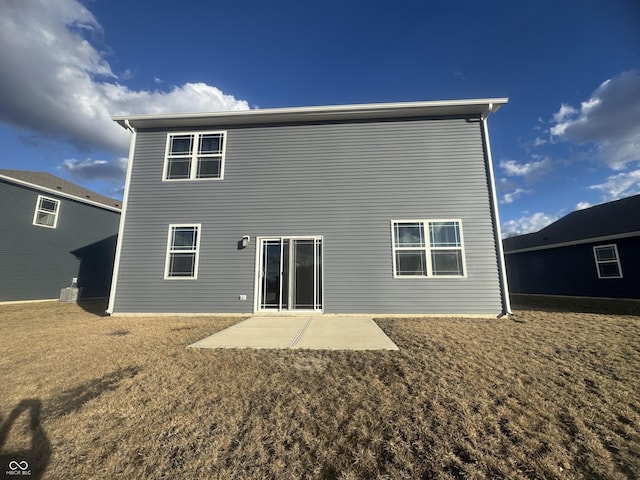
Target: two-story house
point(374, 208)
point(52, 231)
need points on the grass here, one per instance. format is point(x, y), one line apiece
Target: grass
point(553, 395)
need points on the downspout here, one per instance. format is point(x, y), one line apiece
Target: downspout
point(502, 269)
point(125, 201)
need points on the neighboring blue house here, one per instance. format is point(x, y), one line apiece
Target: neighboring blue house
point(593, 252)
point(377, 209)
point(52, 231)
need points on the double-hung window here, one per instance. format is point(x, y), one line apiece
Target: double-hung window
point(183, 249)
point(195, 156)
point(428, 248)
point(607, 261)
point(46, 214)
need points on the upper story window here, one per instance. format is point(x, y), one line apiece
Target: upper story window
point(195, 156)
point(428, 248)
point(607, 261)
point(46, 214)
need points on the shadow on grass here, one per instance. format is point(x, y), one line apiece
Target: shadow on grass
point(33, 461)
point(548, 303)
point(73, 399)
point(95, 306)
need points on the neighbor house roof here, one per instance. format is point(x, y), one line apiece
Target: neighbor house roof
point(617, 219)
point(47, 182)
point(481, 107)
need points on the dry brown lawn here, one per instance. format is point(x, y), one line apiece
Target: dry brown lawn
point(553, 395)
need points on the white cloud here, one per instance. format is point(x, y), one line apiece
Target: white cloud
point(510, 197)
point(610, 120)
point(188, 98)
point(620, 185)
point(54, 82)
point(565, 112)
point(503, 184)
point(513, 168)
point(527, 224)
point(583, 205)
point(112, 171)
point(530, 171)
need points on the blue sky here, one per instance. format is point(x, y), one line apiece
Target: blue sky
point(568, 138)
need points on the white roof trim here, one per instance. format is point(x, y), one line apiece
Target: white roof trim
point(481, 107)
point(604, 238)
point(59, 193)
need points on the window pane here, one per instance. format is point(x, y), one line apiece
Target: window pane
point(182, 264)
point(46, 219)
point(409, 235)
point(447, 262)
point(609, 269)
point(178, 168)
point(184, 238)
point(210, 144)
point(208, 167)
point(605, 253)
point(48, 205)
point(444, 234)
point(181, 144)
point(411, 263)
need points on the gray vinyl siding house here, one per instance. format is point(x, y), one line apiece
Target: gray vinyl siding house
point(377, 209)
point(52, 231)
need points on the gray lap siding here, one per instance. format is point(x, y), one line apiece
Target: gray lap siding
point(342, 181)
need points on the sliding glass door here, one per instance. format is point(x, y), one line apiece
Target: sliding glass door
point(290, 274)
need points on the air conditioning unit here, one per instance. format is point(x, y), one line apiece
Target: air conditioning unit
point(70, 294)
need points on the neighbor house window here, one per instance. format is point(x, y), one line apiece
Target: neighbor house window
point(183, 247)
point(195, 156)
point(428, 248)
point(607, 261)
point(46, 214)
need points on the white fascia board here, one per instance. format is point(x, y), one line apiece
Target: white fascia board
point(481, 107)
point(60, 193)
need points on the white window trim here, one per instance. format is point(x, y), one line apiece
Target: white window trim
point(55, 214)
point(169, 251)
point(599, 262)
point(427, 248)
point(194, 156)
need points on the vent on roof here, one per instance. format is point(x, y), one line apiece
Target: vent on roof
point(58, 187)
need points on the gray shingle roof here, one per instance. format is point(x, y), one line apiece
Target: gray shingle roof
point(612, 218)
point(46, 180)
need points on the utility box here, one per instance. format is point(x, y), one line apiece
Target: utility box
point(69, 294)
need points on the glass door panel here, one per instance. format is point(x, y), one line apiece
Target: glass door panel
point(285, 269)
point(303, 275)
point(270, 285)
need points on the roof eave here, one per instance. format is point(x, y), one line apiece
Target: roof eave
point(481, 107)
point(60, 193)
point(570, 243)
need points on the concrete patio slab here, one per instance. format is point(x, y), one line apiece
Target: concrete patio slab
point(313, 332)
